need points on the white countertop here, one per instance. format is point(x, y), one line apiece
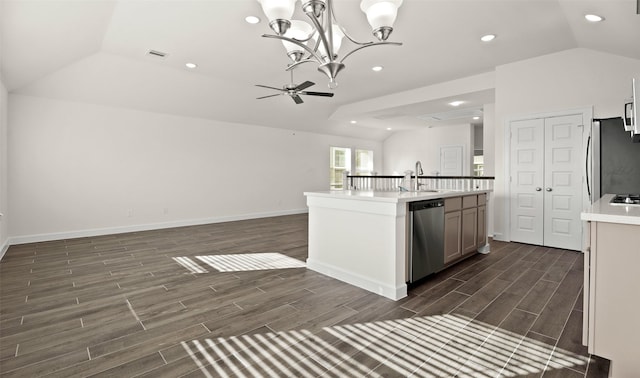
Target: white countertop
point(393, 197)
point(603, 211)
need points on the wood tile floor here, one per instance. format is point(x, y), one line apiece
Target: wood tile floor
point(171, 303)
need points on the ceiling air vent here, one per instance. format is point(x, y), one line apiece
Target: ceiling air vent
point(452, 114)
point(387, 116)
point(156, 53)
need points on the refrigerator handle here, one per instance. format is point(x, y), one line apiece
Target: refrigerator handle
point(586, 167)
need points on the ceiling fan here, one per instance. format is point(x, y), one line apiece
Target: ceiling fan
point(295, 91)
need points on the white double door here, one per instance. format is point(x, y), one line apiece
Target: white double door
point(546, 181)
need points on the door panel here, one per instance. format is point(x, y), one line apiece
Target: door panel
point(546, 181)
point(451, 161)
point(527, 160)
point(563, 182)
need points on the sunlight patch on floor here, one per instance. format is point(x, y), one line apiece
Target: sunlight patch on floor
point(190, 265)
point(430, 346)
point(240, 262)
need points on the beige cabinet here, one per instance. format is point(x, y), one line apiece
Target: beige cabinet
point(469, 230)
point(465, 226)
point(469, 224)
point(482, 226)
point(482, 220)
point(452, 229)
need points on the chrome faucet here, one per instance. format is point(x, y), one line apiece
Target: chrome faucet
point(416, 185)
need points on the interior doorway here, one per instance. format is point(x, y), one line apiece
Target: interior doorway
point(451, 160)
point(546, 180)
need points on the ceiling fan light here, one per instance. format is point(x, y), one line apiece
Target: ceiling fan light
point(381, 15)
point(279, 13)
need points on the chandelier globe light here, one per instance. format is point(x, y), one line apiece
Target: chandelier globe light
point(381, 16)
point(279, 13)
point(325, 32)
point(338, 35)
point(298, 30)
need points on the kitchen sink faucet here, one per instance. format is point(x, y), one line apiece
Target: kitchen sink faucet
point(416, 185)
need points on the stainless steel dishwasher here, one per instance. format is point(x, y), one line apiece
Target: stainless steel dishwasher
point(426, 242)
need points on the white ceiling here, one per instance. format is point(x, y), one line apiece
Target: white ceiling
point(96, 51)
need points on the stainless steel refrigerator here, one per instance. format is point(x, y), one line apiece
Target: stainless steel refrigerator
point(615, 158)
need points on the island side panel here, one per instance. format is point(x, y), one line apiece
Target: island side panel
point(615, 303)
point(359, 242)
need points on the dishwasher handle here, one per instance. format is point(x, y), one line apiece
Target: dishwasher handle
point(422, 205)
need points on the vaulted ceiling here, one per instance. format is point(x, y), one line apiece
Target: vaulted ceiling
point(96, 51)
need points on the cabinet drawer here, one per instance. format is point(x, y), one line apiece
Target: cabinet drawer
point(482, 199)
point(469, 201)
point(451, 204)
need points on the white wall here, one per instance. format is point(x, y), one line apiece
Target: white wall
point(85, 169)
point(4, 199)
point(488, 138)
point(402, 149)
point(570, 79)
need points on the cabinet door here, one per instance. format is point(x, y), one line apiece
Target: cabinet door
point(482, 226)
point(469, 230)
point(452, 236)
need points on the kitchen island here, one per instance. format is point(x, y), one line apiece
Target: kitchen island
point(361, 237)
point(611, 283)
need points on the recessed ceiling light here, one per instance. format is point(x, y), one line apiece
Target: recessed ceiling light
point(252, 19)
point(476, 117)
point(593, 18)
point(488, 37)
point(456, 103)
point(353, 121)
point(191, 65)
point(377, 68)
point(388, 128)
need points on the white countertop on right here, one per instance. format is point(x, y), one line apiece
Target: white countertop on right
point(603, 211)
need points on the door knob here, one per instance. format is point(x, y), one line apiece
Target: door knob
point(538, 189)
point(549, 189)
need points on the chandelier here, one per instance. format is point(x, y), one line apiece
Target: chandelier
point(323, 38)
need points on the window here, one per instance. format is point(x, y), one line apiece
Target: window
point(364, 162)
point(478, 165)
point(339, 163)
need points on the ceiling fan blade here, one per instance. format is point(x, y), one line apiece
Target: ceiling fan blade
point(266, 86)
point(304, 85)
point(297, 99)
point(324, 94)
point(273, 95)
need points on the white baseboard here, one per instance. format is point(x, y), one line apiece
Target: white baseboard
point(3, 248)
point(360, 281)
point(499, 237)
point(145, 227)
